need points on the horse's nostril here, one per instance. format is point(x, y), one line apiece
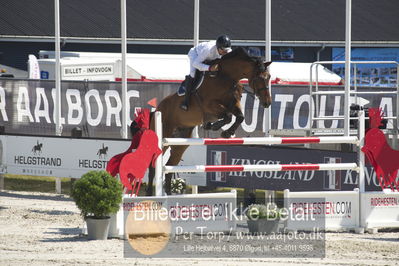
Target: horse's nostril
point(266, 104)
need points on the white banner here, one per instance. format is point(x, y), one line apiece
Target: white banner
point(68, 157)
point(380, 209)
point(324, 210)
point(190, 213)
point(86, 70)
point(60, 157)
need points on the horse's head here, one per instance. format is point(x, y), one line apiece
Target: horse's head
point(259, 82)
point(238, 65)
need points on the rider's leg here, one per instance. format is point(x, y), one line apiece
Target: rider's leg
point(189, 85)
point(192, 55)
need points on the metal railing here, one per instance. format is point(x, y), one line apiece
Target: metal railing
point(355, 92)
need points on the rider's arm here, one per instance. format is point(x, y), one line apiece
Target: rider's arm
point(198, 63)
point(204, 52)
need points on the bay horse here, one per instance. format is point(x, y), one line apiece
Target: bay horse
point(214, 103)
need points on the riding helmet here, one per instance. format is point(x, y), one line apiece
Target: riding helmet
point(223, 42)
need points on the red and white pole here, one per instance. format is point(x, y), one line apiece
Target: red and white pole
point(259, 168)
point(260, 140)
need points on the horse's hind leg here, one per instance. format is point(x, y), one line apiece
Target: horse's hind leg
point(239, 118)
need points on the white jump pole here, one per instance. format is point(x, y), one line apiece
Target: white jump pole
point(196, 22)
point(58, 125)
point(195, 43)
point(361, 159)
point(124, 69)
point(267, 118)
point(260, 141)
point(361, 162)
point(194, 188)
point(268, 57)
point(348, 26)
point(159, 174)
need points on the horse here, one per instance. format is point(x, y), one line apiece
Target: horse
point(214, 103)
point(37, 149)
point(102, 151)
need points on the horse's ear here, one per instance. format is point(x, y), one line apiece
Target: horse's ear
point(267, 64)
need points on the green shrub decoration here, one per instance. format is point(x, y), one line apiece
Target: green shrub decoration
point(97, 194)
point(261, 211)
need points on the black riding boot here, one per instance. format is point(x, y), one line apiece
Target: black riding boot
point(189, 85)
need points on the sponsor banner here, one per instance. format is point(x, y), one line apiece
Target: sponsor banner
point(280, 180)
point(60, 157)
point(27, 107)
point(189, 212)
point(326, 210)
point(380, 209)
point(67, 157)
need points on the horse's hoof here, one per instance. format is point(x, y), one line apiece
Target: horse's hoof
point(207, 126)
point(226, 134)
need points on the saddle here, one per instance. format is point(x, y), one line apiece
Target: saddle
point(198, 79)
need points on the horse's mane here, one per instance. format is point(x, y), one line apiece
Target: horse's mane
point(241, 52)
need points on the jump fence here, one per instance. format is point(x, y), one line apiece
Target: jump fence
point(363, 210)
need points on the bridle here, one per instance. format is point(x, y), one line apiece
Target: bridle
point(252, 83)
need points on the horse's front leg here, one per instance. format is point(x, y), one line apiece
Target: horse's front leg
point(239, 118)
point(227, 117)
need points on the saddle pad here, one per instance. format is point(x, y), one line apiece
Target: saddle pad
point(197, 83)
point(182, 90)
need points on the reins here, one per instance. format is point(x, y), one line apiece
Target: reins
point(252, 93)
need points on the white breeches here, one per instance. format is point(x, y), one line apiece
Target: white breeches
point(192, 55)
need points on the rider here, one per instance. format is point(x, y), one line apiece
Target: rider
point(206, 51)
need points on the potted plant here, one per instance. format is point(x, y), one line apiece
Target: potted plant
point(97, 194)
point(177, 186)
point(263, 218)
